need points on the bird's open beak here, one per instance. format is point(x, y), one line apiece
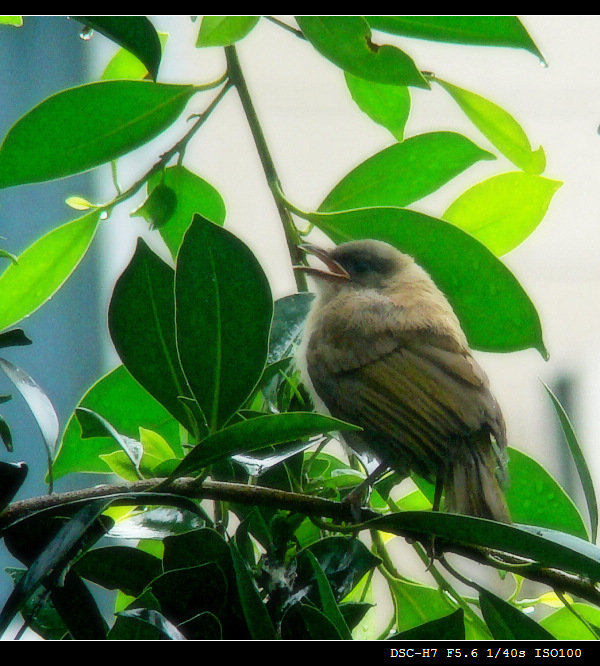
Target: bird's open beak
point(334, 270)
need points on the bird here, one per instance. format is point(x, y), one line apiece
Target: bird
point(383, 349)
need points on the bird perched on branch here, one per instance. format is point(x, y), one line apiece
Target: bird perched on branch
point(384, 350)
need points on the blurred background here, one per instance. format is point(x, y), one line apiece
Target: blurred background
point(316, 135)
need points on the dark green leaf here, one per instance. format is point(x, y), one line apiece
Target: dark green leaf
point(12, 476)
point(159, 207)
point(346, 41)
point(52, 559)
point(580, 464)
point(80, 128)
point(141, 321)
point(450, 627)
point(405, 172)
point(161, 522)
point(548, 547)
point(193, 195)
point(303, 622)
point(494, 310)
point(327, 599)
point(156, 620)
point(387, 105)
point(5, 432)
point(255, 611)
point(14, 338)
point(134, 33)
point(507, 622)
point(224, 310)
point(43, 268)
point(78, 609)
point(254, 434)
point(481, 30)
point(119, 568)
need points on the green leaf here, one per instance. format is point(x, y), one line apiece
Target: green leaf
point(134, 33)
point(80, 128)
point(124, 404)
point(155, 620)
point(405, 172)
point(387, 105)
point(11, 20)
point(141, 320)
point(14, 338)
point(507, 622)
point(224, 30)
point(289, 315)
point(224, 310)
point(547, 547)
point(580, 464)
point(43, 268)
point(480, 30)
point(535, 498)
point(255, 611)
point(449, 627)
point(416, 604)
point(563, 625)
point(346, 42)
point(12, 476)
point(40, 405)
point(254, 434)
point(159, 207)
point(124, 65)
point(503, 210)
point(328, 602)
point(499, 127)
point(494, 310)
point(193, 195)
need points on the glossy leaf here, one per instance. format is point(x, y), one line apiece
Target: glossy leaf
point(481, 30)
point(43, 268)
point(12, 476)
point(507, 622)
point(346, 41)
point(224, 310)
point(387, 105)
point(535, 498)
point(52, 559)
point(580, 464)
point(80, 128)
point(256, 433)
point(193, 195)
point(289, 315)
point(224, 30)
point(499, 127)
point(134, 33)
point(126, 405)
point(494, 310)
point(405, 172)
point(40, 405)
point(141, 321)
point(548, 547)
point(503, 210)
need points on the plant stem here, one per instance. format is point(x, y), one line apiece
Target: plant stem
point(292, 236)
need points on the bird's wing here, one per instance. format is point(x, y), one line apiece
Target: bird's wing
point(416, 394)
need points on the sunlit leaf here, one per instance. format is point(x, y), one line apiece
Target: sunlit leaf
point(405, 172)
point(503, 210)
point(500, 128)
point(43, 268)
point(387, 105)
point(224, 30)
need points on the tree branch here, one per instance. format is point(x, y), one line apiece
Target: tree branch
point(125, 493)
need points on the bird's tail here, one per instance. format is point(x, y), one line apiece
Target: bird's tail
point(473, 486)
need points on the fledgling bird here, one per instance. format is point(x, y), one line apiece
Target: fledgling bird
point(384, 350)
